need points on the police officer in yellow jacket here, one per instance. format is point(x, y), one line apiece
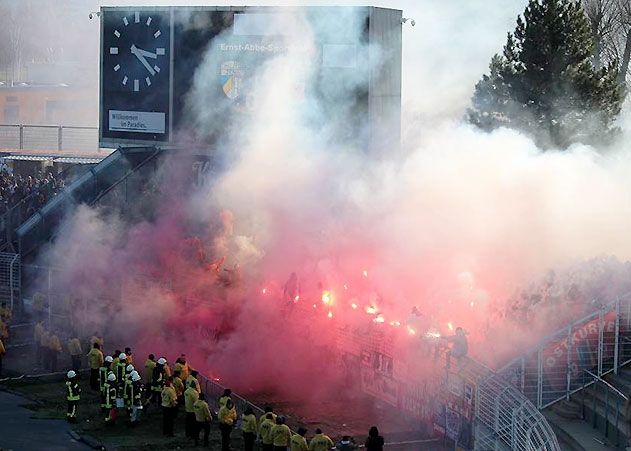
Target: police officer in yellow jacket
point(320, 442)
point(169, 407)
point(281, 435)
point(265, 431)
point(190, 397)
point(73, 394)
point(202, 419)
point(298, 441)
point(227, 417)
point(249, 427)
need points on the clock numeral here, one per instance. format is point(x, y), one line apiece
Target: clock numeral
point(149, 21)
point(136, 85)
point(148, 81)
point(125, 21)
point(136, 17)
point(125, 80)
point(113, 50)
point(157, 33)
point(117, 68)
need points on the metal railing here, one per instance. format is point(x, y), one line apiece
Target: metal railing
point(59, 138)
point(606, 402)
point(554, 369)
point(506, 419)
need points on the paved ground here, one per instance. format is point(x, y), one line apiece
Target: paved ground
point(20, 432)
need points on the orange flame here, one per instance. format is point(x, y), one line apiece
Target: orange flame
point(327, 299)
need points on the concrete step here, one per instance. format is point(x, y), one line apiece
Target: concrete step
point(570, 410)
point(575, 435)
point(594, 413)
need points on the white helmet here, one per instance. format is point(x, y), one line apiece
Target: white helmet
point(71, 374)
point(109, 359)
point(111, 377)
point(122, 356)
point(135, 376)
point(130, 368)
point(133, 372)
point(162, 360)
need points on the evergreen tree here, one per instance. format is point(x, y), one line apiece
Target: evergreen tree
point(545, 83)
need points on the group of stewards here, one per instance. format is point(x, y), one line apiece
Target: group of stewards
point(123, 391)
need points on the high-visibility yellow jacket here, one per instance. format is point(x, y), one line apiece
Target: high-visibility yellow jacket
point(190, 396)
point(320, 442)
point(249, 423)
point(227, 416)
point(178, 385)
point(191, 380)
point(119, 370)
point(74, 346)
point(202, 412)
point(299, 443)
point(169, 398)
point(281, 435)
point(54, 344)
point(109, 390)
point(103, 372)
point(265, 431)
point(149, 366)
point(223, 400)
point(73, 391)
point(183, 369)
point(95, 357)
point(262, 418)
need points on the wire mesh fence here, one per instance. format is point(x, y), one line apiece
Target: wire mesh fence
point(599, 343)
point(505, 419)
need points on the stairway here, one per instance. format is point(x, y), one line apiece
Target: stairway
point(593, 418)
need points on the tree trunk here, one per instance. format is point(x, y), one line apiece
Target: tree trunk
point(624, 65)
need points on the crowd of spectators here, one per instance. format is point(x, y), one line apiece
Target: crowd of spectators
point(567, 294)
point(35, 189)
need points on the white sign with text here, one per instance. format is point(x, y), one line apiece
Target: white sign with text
point(137, 121)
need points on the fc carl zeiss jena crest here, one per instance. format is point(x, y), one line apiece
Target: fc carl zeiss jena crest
point(231, 79)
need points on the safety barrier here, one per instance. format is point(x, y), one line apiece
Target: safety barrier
point(553, 370)
point(505, 419)
point(59, 138)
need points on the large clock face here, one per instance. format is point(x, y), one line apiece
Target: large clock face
point(138, 51)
